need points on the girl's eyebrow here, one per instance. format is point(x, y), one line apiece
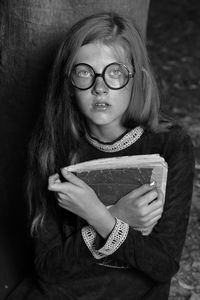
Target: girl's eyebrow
point(93, 67)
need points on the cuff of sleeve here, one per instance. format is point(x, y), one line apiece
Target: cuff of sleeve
point(114, 241)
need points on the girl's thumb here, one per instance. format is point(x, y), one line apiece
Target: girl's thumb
point(70, 177)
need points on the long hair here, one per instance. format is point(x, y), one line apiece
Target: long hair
point(55, 142)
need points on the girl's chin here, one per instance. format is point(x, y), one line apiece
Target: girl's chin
point(99, 122)
point(100, 119)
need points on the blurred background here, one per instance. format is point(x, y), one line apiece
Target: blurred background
point(29, 34)
point(173, 40)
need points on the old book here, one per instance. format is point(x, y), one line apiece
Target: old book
point(113, 178)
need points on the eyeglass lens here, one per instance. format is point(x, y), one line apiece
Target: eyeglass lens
point(115, 76)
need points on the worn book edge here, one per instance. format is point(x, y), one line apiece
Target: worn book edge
point(152, 161)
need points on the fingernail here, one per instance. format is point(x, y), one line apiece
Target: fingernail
point(152, 183)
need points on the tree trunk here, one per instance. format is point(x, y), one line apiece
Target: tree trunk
point(30, 31)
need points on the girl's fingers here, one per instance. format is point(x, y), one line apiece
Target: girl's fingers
point(158, 203)
point(72, 178)
point(148, 198)
point(156, 213)
point(61, 204)
point(56, 187)
point(154, 199)
point(61, 196)
point(143, 189)
point(53, 178)
point(58, 180)
point(63, 201)
point(153, 222)
point(55, 184)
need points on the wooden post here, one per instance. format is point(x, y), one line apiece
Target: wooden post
point(30, 31)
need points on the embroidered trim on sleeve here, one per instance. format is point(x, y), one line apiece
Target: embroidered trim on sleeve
point(114, 241)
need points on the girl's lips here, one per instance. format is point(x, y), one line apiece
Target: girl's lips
point(101, 106)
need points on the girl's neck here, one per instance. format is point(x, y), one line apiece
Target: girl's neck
point(105, 134)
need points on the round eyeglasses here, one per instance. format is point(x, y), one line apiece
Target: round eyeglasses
point(115, 75)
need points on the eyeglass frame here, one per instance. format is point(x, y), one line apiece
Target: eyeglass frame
point(130, 75)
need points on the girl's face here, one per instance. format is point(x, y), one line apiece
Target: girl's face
point(102, 106)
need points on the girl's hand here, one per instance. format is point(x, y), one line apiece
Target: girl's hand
point(76, 196)
point(141, 208)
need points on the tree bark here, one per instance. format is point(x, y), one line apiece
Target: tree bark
point(30, 31)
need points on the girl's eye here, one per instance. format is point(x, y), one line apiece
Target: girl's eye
point(84, 73)
point(115, 73)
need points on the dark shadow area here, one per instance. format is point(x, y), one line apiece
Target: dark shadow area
point(173, 40)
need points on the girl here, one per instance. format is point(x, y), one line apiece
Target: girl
point(103, 102)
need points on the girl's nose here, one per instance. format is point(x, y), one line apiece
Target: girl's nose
point(99, 86)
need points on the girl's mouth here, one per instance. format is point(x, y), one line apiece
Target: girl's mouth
point(101, 106)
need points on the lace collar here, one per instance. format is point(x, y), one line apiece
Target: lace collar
point(125, 141)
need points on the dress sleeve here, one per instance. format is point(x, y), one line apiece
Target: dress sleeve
point(158, 254)
point(58, 248)
point(115, 239)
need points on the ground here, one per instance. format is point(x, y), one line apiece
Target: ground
point(173, 41)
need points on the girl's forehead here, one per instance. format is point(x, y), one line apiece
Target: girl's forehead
point(120, 52)
point(99, 50)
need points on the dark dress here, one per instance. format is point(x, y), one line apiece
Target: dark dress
point(67, 270)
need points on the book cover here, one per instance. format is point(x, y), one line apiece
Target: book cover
point(113, 178)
